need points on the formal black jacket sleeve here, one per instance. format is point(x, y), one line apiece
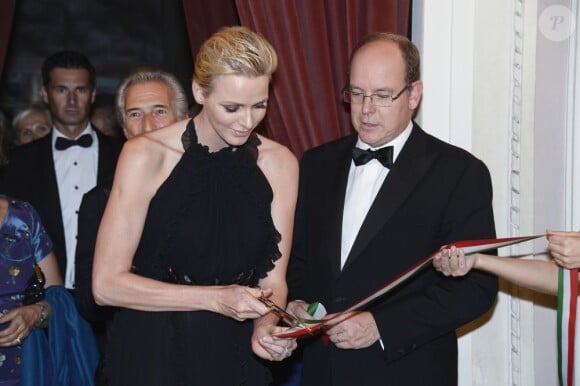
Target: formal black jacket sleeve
point(438, 305)
point(90, 214)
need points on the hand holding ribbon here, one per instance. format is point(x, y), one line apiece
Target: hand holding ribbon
point(469, 247)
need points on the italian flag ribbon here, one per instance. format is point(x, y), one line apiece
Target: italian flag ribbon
point(311, 327)
point(567, 301)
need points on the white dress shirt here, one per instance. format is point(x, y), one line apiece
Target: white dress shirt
point(364, 182)
point(76, 173)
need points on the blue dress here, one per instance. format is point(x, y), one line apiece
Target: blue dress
point(209, 223)
point(23, 241)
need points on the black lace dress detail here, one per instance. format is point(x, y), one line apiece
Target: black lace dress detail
point(208, 224)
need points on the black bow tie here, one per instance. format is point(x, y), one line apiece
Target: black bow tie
point(63, 143)
point(383, 155)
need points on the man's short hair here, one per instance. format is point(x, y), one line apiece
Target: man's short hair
point(408, 49)
point(145, 75)
point(69, 60)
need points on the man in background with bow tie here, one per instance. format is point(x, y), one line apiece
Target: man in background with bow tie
point(370, 206)
point(53, 173)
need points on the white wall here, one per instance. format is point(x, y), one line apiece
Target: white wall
point(505, 90)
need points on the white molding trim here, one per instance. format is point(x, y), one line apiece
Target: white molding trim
point(572, 126)
point(468, 101)
point(516, 110)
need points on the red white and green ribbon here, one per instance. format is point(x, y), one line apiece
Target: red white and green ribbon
point(469, 247)
point(567, 301)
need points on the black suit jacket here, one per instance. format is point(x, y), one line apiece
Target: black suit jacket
point(30, 176)
point(90, 214)
point(433, 195)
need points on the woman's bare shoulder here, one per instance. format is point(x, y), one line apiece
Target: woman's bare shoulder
point(276, 160)
point(151, 156)
point(157, 143)
point(273, 151)
point(168, 137)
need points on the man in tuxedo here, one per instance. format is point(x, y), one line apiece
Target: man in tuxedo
point(53, 172)
point(370, 206)
point(145, 100)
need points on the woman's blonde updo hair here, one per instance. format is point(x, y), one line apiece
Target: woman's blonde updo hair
point(233, 50)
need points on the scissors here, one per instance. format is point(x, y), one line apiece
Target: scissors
point(286, 317)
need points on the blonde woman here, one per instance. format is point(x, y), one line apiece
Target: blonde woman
point(198, 226)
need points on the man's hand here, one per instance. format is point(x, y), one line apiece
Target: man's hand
point(356, 330)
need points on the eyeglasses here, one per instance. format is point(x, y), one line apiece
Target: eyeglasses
point(381, 99)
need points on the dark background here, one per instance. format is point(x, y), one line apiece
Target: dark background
point(115, 35)
point(313, 39)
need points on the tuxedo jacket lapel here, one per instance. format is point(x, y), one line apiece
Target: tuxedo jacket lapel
point(51, 201)
point(336, 193)
point(410, 167)
point(52, 195)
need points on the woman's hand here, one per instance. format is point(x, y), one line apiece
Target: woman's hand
point(241, 303)
point(264, 343)
point(21, 321)
point(269, 347)
point(453, 262)
point(565, 248)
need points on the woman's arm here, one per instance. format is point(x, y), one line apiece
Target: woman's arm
point(49, 267)
point(537, 275)
point(143, 165)
point(281, 169)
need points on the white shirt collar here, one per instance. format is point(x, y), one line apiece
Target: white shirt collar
point(397, 143)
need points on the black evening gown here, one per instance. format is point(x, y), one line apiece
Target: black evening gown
point(208, 224)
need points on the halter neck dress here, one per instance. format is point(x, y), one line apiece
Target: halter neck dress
point(209, 224)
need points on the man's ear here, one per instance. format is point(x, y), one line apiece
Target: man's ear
point(198, 93)
point(415, 93)
point(43, 94)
